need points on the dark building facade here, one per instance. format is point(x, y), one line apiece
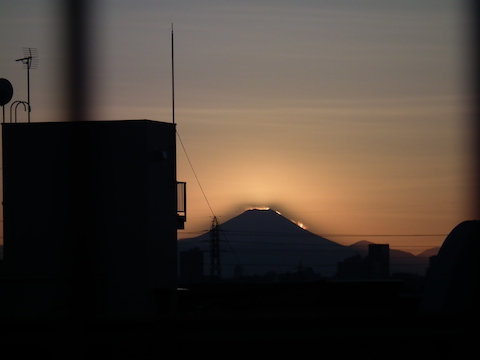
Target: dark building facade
point(379, 261)
point(191, 266)
point(90, 219)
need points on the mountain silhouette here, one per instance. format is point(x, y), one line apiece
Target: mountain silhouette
point(361, 247)
point(263, 241)
point(429, 252)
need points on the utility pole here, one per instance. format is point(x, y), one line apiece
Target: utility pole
point(215, 270)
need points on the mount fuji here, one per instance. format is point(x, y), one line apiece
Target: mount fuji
point(262, 241)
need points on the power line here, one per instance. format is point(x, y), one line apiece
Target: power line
point(214, 231)
point(267, 233)
point(300, 243)
point(195, 174)
point(307, 235)
point(385, 235)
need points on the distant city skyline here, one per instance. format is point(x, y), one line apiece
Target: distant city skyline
point(350, 117)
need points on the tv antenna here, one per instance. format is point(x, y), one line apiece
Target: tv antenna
point(29, 61)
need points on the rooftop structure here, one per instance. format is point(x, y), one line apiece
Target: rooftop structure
point(90, 218)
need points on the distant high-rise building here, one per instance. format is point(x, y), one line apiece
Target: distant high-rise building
point(379, 261)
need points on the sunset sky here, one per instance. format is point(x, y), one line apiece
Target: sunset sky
point(350, 117)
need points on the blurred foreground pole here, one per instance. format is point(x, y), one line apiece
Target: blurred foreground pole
point(78, 59)
point(474, 53)
point(84, 285)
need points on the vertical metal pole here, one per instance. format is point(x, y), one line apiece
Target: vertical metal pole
point(78, 59)
point(173, 83)
point(82, 222)
point(475, 88)
point(29, 61)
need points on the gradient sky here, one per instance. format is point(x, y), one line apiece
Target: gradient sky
point(350, 117)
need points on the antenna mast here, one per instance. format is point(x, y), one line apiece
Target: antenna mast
point(173, 83)
point(30, 61)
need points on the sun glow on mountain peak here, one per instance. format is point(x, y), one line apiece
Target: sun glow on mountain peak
point(301, 225)
point(258, 208)
point(264, 208)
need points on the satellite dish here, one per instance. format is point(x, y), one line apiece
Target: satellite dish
point(6, 91)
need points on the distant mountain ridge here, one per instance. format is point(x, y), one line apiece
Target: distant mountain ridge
point(262, 241)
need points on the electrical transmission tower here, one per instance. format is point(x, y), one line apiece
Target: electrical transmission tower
point(215, 271)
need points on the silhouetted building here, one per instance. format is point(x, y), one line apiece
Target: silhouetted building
point(238, 271)
point(303, 273)
point(352, 268)
point(376, 266)
point(191, 266)
point(431, 263)
point(90, 219)
point(378, 261)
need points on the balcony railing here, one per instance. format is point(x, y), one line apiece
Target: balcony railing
point(181, 204)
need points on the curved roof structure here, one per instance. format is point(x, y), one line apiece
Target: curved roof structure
point(454, 281)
